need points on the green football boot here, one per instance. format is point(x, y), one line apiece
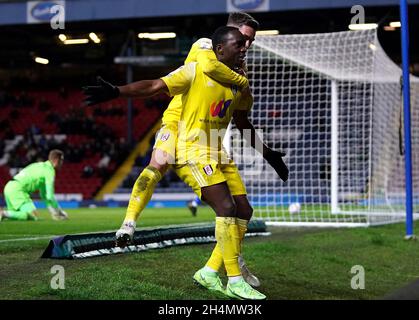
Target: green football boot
point(209, 280)
point(243, 291)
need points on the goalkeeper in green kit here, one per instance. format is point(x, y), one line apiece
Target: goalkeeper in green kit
point(37, 176)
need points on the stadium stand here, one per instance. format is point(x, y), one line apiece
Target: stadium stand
point(93, 139)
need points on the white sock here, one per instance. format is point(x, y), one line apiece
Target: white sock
point(194, 204)
point(130, 223)
point(208, 269)
point(234, 279)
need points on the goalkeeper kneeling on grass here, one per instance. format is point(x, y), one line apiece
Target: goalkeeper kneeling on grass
point(37, 176)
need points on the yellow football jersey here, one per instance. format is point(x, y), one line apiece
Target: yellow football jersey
point(207, 107)
point(202, 53)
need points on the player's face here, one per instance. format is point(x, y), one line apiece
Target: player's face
point(59, 163)
point(234, 50)
point(249, 34)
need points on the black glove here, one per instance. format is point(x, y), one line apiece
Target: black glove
point(274, 158)
point(104, 91)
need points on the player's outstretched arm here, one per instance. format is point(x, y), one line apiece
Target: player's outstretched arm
point(143, 89)
point(274, 158)
point(105, 91)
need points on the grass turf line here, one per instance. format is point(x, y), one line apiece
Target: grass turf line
point(293, 263)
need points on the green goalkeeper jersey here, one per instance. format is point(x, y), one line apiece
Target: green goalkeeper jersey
point(40, 177)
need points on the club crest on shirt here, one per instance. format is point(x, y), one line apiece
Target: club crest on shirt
point(165, 136)
point(234, 89)
point(208, 170)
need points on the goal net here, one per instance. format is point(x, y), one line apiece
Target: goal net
point(333, 103)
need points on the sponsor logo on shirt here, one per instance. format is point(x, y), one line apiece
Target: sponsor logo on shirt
point(219, 109)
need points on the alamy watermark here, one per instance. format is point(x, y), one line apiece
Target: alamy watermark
point(358, 280)
point(359, 17)
point(58, 280)
point(57, 21)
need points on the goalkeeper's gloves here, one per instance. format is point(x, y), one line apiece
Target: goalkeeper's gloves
point(57, 214)
point(274, 158)
point(63, 215)
point(104, 91)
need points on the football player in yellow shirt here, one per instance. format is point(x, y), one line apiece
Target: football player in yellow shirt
point(164, 149)
point(207, 106)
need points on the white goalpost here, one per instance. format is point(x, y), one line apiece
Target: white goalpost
point(333, 103)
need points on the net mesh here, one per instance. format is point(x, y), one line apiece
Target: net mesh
point(333, 103)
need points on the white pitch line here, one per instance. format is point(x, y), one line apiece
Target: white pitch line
point(27, 239)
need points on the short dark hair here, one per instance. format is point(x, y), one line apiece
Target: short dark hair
point(55, 154)
point(238, 19)
point(219, 35)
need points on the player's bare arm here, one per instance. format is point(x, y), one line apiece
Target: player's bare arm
point(274, 158)
point(242, 122)
point(143, 89)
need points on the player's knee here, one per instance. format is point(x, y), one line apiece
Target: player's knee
point(21, 216)
point(227, 209)
point(28, 211)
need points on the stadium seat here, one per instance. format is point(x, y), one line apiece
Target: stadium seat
point(47, 114)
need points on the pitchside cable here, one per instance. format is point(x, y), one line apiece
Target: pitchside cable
point(407, 130)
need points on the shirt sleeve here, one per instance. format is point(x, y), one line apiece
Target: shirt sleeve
point(180, 80)
point(214, 68)
point(47, 193)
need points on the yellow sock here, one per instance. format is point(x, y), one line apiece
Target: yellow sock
point(141, 192)
point(227, 235)
point(242, 230)
point(215, 262)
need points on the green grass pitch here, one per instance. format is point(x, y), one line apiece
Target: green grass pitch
point(292, 263)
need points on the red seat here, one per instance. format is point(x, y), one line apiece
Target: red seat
point(69, 179)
